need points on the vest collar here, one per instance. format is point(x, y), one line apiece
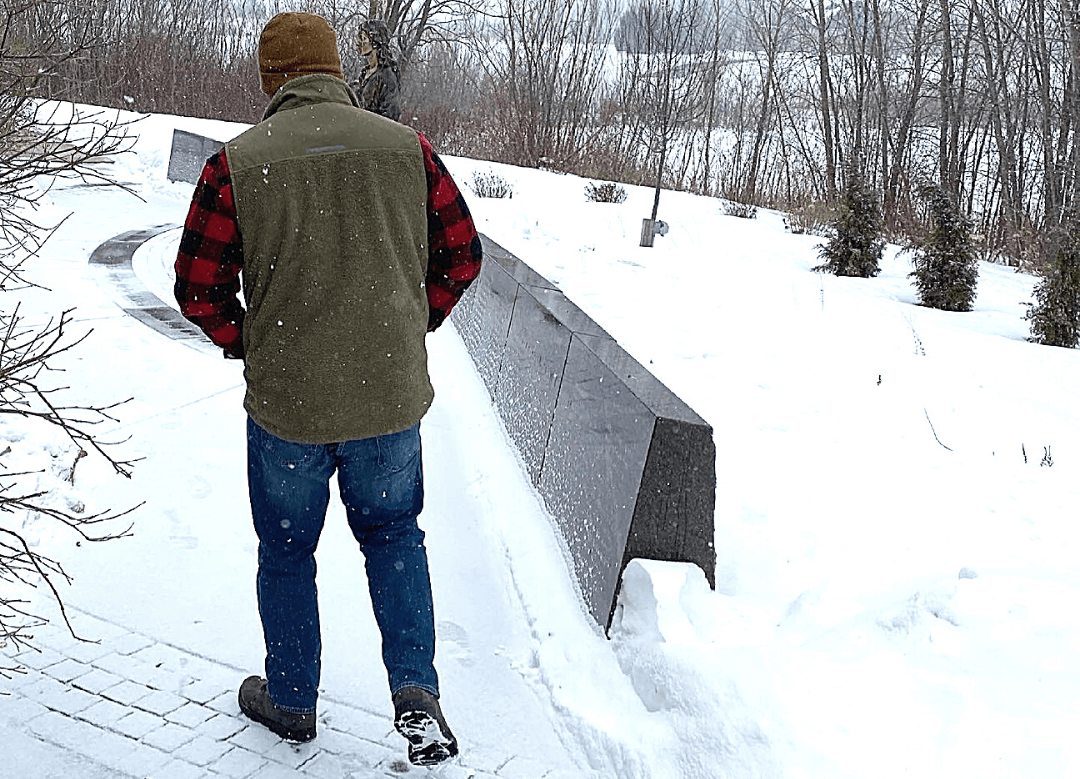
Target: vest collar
point(311, 89)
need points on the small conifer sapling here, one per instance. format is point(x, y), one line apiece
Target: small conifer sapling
point(1055, 314)
point(856, 243)
point(946, 264)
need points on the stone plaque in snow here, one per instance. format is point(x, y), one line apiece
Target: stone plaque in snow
point(189, 154)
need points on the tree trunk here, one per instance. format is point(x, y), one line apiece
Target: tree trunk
point(823, 91)
point(884, 127)
point(1073, 99)
point(946, 95)
point(750, 194)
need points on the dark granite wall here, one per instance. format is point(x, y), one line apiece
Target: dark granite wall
point(624, 466)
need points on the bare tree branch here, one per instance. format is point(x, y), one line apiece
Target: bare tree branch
point(42, 143)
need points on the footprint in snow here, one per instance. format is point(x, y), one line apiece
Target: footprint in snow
point(454, 642)
point(199, 487)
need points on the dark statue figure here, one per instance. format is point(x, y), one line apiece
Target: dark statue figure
point(378, 83)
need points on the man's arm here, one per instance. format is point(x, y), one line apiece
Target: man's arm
point(210, 259)
point(454, 253)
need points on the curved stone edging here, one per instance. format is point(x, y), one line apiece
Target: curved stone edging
point(118, 279)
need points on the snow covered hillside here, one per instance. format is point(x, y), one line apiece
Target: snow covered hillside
point(897, 542)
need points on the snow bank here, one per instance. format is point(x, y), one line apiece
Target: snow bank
point(707, 710)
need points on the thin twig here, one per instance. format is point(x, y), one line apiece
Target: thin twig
point(932, 429)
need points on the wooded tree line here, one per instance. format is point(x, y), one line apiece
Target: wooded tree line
point(763, 101)
point(977, 97)
point(766, 101)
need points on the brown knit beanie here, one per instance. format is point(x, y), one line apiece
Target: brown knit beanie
point(296, 44)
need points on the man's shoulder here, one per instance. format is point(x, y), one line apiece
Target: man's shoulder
point(327, 127)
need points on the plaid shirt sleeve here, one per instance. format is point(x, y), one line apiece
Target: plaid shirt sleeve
point(454, 253)
point(210, 259)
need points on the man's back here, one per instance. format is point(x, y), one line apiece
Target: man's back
point(331, 204)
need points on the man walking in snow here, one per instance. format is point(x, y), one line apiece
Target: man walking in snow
point(352, 242)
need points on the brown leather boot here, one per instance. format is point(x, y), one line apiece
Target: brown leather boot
point(419, 718)
point(256, 704)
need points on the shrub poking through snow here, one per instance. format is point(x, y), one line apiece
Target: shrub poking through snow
point(1055, 314)
point(607, 192)
point(946, 264)
point(491, 184)
point(741, 210)
point(856, 243)
point(809, 219)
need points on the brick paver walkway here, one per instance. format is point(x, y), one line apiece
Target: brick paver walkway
point(131, 706)
point(140, 708)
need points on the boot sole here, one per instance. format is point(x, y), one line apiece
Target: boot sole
point(427, 745)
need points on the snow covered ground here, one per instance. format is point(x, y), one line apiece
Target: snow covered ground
point(898, 586)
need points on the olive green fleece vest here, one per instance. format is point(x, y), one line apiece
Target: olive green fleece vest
point(332, 206)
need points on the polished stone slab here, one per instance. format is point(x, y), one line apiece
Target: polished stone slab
point(491, 304)
point(188, 155)
point(625, 467)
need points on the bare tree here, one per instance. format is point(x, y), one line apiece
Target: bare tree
point(900, 98)
point(38, 144)
point(948, 123)
point(675, 71)
point(415, 23)
point(545, 78)
point(25, 354)
point(769, 27)
point(716, 65)
point(981, 97)
point(821, 27)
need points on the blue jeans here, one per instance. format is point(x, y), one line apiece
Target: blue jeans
point(382, 486)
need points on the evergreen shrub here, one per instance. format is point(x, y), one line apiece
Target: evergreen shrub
point(1055, 314)
point(946, 262)
point(856, 244)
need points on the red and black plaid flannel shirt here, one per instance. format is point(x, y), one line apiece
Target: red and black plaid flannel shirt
point(211, 253)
